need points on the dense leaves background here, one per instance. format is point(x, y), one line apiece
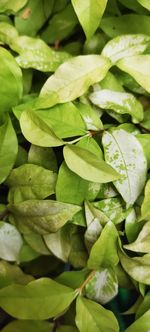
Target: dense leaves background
point(74, 165)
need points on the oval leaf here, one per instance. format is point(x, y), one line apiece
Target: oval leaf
point(10, 242)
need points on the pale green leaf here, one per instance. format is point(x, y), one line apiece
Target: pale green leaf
point(111, 82)
point(145, 3)
point(44, 157)
point(89, 14)
point(7, 33)
point(94, 224)
point(12, 274)
point(124, 46)
point(104, 251)
point(87, 165)
point(128, 160)
point(112, 209)
point(96, 318)
point(28, 325)
point(145, 208)
point(103, 286)
point(7, 153)
point(40, 299)
point(12, 5)
point(142, 243)
point(120, 102)
point(90, 117)
point(10, 242)
point(138, 67)
point(141, 324)
point(42, 216)
point(36, 131)
point(72, 79)
point(30, 182)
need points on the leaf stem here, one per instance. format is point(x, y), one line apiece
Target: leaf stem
point(90, 276)
point(79, 138)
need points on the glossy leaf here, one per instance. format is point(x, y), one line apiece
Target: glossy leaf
point(88, 166)
point(145, 208)
point(120, 102)
point(96, 318)
point(10, 242)
point(30, 182)
point(25, 325)
point(7, 154)
point(124, 46)
point(42, 216)
point(103, 286)
point(89, 14)
point(72, 79)
point(138, 67)
point(29, 299)
point(128, 160)
point(104, 251)
point(36, 131)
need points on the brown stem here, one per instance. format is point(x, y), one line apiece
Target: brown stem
point(90, 276)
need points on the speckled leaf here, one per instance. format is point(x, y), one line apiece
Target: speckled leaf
point(7, 153)
point(104, 251)
point(142, 243)
point(10, 242)
point(12, 6)
point(128, 160)
point(103, 286)
point(30, 182)
point(137, 267)
point(25, 325)
point(36, 131)
point(138, 67)
point(89, 14)
point(87, 165)
point(124, 46)
point(73, 78)
point(120, 102)
point(145, 208)
point(29, 299)
point(96, 317)
point(141, 324)
point(42, 216)
point(94, 224)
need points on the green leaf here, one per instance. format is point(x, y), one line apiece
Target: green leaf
point(36, 242)
point(8, 152)
point(144, 305)
point(124, 46)
point(25, 325)
point(44, 157)
point(12, 6)
point(7, 33)
point(103, 286)
point(60, 26)
point(144, 139)
point(120, 102)
point(90, 117)
point(42, 216)
point(111, 82)
point(132, 227)
point(144, 3)
point(87, 165)
point(36, 131)
point(141, 324)
point(104, 251)
point(142, 243)
point(128, 160)
point(10, 80)
point(145, 208)
point(138, 67)
point(35, 53)
point(94, 224)
point(112, 208)
point(137, 267)
point(126, 24)
point(96, 318)
point(10, 242)
point(73, 279)
point(133, 5)
point(30, 182)
point(40, 299)
point(72, 79)
point(89, 14)
point(12, 274)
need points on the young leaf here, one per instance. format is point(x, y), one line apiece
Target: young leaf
point(124, 46)
point(12, 274)
point(138, 67)
point(10, 242)
point(141, 324)
point(103, 286)
point(120, 102)
point(89, 14)
point(96, 318)
point(104, 251)
point(125, 154)
point(87, 165)
point(42, 216)
point(145, 208)
point(30, 182)
point(142, 243)
point(8, 152)
point(36, 131)
point(72, 79)
point(25, 325)
point(40, 299)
